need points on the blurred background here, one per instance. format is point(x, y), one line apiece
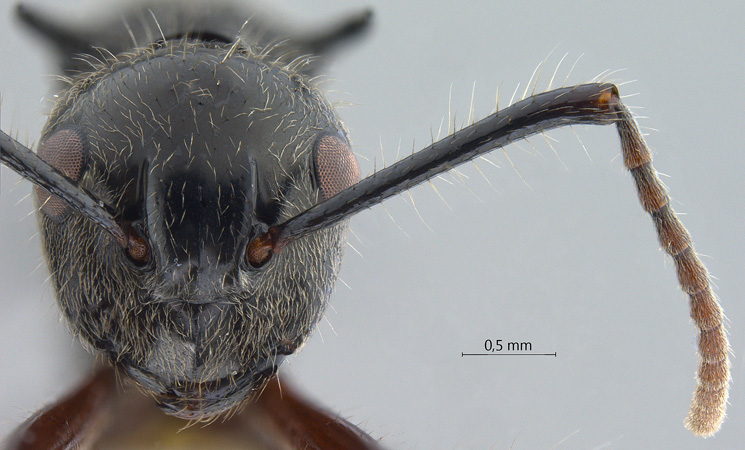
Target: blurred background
point(557, 252)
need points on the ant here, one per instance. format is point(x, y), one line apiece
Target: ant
point(495, 300)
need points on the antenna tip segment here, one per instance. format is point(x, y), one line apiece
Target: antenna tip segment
point(707, 412)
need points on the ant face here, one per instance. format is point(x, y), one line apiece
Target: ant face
point(525, 298)
point(196, 171)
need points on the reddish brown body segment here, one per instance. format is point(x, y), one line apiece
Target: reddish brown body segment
point(74, 421)
point(307, 426)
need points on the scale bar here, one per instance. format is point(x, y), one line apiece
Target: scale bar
point(508, 354)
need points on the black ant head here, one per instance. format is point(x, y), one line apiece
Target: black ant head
point(198, 149)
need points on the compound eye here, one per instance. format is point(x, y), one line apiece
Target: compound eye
point(65, 150)
point(336, 167)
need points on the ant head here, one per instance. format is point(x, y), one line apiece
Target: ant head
point(198, 150)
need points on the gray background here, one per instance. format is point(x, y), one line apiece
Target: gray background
point(568, 262)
